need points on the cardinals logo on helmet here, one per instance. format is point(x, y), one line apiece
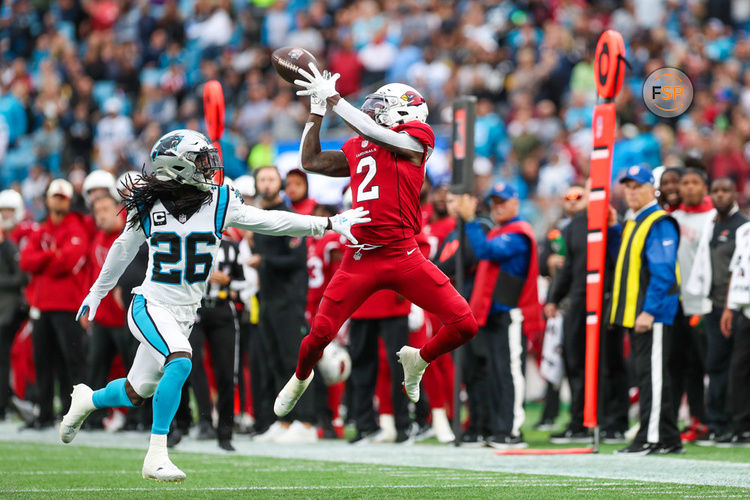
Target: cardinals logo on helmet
point(412, 98)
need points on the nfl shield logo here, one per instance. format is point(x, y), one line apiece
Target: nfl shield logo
point(182, 218)
point(364, 144)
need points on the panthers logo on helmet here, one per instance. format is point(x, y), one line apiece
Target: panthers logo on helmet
point(412, 98)
point(165, 145)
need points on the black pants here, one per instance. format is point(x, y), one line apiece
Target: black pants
point(718, 357)
point(574, 358)
point(7, 334)
point(506, 355)
point(261, 381)
point(217, 326)
point(687, 366)
point(363, 346)
point(244, 361)
point(613, 387)
point(104, 344)
point(474, 371)
point(651, 351)
point(58, 349)
point(282, 328)
point(740, 373)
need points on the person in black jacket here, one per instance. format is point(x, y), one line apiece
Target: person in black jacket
point(282, 269)
point(570, 284)
point(474, 353)
point(12, 311)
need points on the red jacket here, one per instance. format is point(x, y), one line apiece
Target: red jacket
point(488, 273)
point(55, 256)
point(109, 314)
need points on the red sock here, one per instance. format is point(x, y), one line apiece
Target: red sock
point(310, 353)
point(449, 337)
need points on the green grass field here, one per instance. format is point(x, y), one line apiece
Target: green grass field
point(101, 465)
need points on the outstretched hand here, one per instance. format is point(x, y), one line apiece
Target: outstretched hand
point(342, 223)
point(318, 86)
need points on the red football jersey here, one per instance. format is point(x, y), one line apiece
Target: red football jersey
point(387, 186)
point(320, 268)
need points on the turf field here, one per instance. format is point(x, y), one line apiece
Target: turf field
point(101, 465)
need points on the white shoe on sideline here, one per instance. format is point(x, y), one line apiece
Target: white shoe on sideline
point(290, 394)
point(298, 433)
point(414, 367)
point(275, 430)
point(81, 406)
point(442, 427)
point(387, 432)
point(159, 467)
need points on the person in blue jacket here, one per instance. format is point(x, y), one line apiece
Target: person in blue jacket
point(505, 302)
point(645, 297)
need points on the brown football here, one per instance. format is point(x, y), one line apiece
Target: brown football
point(289, 60)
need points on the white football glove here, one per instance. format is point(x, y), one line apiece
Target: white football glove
point(318, 86)
point(342, 223)
point(90, 304)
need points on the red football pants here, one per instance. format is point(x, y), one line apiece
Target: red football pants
point(398, 266)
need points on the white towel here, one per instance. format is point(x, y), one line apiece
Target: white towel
point(739, 287)
point(699, 281)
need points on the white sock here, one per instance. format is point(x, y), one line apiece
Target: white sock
point(158, 445)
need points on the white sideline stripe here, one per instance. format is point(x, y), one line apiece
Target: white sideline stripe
point(277, 488)
point(515, 348)
point(657, 343)
point(600, 154)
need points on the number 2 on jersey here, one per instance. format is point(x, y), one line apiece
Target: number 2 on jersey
point(374, 192)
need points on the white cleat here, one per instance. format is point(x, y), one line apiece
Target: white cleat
point(414, 367)
point(161, 469)
point(81, 406)
point(290, 394)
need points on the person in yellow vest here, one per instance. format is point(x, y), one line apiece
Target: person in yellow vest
point(645, 296)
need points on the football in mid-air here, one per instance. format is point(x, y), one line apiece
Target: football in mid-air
point(289, 60)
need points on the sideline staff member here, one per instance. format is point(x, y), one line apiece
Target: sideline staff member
point(644, 301)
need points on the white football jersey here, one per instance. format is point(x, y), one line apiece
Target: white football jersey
point(182, 249)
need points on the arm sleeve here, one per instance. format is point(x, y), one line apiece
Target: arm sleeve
point(273, 222)
point(120, 255)
point(499, 248)
point(661, 257)
point(33, 257)
point(368, 129)
point(614, 237)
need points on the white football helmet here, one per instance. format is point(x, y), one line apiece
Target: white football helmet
point(99, 179)
point(13, 200)
point(245, 184)
point(336, 364)
point(395, 104)
point(128, 178)
point(186, 156)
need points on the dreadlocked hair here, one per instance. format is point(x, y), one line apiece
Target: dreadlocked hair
point(140, 195)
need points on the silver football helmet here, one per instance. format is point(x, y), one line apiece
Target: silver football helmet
point(186, 156)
